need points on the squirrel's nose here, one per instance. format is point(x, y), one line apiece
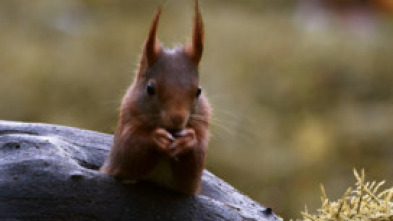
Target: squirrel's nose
point(177, 120)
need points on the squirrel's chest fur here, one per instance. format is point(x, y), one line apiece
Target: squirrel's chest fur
point(162, 174)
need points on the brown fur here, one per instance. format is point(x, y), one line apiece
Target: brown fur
point(163, 137)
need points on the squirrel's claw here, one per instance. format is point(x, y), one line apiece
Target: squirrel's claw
point(186, 142)
point(174, 147)
point(163, 139)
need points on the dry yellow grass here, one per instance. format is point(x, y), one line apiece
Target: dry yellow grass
point(362, 202)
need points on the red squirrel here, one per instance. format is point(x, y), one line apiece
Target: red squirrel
point(162, 131)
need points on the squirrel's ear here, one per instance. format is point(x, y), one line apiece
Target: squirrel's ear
point(152, 49)
point(194, 48)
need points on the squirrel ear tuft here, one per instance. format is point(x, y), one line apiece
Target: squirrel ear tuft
point(152, 49)
point(194, 48)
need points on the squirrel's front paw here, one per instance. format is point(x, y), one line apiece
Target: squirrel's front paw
point(185, 142)
point(163, 139)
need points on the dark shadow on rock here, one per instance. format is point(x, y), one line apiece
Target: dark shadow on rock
point(49, 172)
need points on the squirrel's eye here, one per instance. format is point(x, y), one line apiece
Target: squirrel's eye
point(151, 88)
point(199, 91)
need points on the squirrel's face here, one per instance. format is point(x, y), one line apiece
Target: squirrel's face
point(169, 90)
point(166, 90)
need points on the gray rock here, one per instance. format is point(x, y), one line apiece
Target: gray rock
point(49, 172)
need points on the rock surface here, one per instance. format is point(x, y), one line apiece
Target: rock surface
point(49, 172)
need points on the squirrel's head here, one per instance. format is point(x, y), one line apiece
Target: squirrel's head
point(166, 88)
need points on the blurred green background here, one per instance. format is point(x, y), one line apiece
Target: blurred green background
point(301, 95)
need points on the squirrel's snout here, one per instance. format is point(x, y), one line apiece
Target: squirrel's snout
point(175, 121)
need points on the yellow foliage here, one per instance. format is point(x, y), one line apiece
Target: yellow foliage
point(363, 202)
